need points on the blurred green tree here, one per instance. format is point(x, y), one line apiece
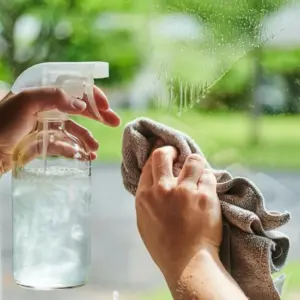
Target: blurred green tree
point(64, 30)
point(75, 30)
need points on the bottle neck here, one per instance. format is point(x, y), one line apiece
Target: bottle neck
point(52, 116)
point(50, 124)
point(51, 120)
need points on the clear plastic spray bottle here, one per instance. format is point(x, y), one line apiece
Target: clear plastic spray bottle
point(51, 190)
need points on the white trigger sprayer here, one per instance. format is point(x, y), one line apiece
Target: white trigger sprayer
point(75, 78)
point(51, 196)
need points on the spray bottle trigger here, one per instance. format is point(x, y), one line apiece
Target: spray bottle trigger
point(92, 102)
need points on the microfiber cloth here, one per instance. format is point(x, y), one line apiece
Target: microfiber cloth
point(252, 248)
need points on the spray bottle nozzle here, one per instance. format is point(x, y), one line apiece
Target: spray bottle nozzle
point(76, 79)
point(81, 87)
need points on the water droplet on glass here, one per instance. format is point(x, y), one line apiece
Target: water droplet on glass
point(204, 90)
point(180, 99)
point(171, 94)
point(191, 104)
point(159, 101)
point(198, 94)
point(185, 97)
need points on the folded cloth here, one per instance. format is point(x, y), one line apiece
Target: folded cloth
point(251, 249)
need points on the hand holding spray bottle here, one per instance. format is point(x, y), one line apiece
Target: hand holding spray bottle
point(51, 191)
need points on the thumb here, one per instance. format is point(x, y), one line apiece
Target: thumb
point(42, 99)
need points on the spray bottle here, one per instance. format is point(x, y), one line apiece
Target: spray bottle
point(51, 190)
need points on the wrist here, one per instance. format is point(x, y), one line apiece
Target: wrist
point(200, 277)
point(202, 260)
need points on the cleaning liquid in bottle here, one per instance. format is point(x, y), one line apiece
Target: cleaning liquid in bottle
point(51, 190)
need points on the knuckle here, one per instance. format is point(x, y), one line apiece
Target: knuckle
point(163, 188)
point(58, 92)
point(204, 196)
point(195, 157)
point(213, 180)
point(208, 172)
point(163, 152)
point(142, 194)
point(186, 191)
point(158, 153)
point(210, 176)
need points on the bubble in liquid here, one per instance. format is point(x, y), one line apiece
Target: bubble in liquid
point(77, 233)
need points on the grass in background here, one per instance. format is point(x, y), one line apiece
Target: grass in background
point(292, 283)
point(224, 137)
point(291, 287)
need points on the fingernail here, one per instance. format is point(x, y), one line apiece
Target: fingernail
point(79, 104)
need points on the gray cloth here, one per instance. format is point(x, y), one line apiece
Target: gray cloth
point(251, 249)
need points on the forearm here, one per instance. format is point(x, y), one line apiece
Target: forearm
point(204, 278)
